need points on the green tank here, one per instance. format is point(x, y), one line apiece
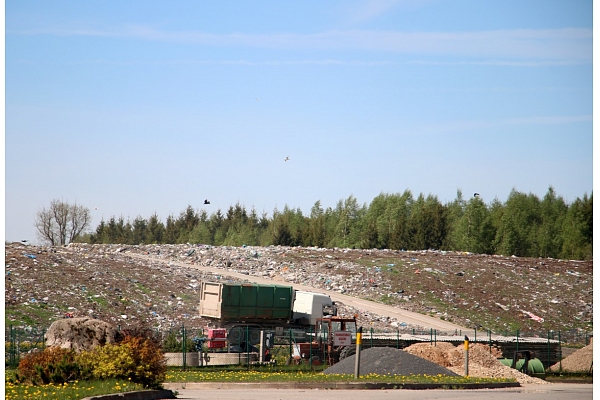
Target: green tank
point(535, 367)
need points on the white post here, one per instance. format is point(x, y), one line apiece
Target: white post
point(262, 347)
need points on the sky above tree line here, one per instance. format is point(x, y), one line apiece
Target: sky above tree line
point(133, 109)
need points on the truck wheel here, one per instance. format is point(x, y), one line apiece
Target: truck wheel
point(347, 352)
point(235, 335)
point(254, 336)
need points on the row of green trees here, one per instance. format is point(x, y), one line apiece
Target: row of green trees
point(524, 225)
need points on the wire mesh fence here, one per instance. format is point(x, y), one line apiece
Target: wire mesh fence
point(251, 345)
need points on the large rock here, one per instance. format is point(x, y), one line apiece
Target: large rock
point(80, 333)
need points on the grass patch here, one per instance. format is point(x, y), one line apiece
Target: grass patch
point(143, 289)
point(280, 374)
point(99, 300)
point(71, 390)
point(27, 314)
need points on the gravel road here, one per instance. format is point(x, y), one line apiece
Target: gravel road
point(408, 317)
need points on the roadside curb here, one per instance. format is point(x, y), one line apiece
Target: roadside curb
point(334, 385)
point(139, 395)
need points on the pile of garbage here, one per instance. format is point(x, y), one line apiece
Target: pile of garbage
point(109, 283)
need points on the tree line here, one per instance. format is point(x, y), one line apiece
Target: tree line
point(524, 225)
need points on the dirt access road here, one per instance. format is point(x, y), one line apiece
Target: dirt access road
point(408, 317)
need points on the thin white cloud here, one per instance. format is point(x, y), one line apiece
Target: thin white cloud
point(370, 9)
point(567, 45)
point(470, 125)
point(365, 11)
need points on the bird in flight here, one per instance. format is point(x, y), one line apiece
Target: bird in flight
point(286, 159)
point(206, 202)
point(475, 194)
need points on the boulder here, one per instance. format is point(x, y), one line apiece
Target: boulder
point(80, 333)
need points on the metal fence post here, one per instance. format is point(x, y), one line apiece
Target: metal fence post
point(559, 354)
point(310, 347)
point(248, 346)
point(183, 346)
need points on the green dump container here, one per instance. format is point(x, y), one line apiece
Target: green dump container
point(535, 367)
point(246, 301)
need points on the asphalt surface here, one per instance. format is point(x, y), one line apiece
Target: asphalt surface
point(556, 391)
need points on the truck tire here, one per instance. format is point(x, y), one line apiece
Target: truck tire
point(235, 335)
point(347, 352)
point(254, 336)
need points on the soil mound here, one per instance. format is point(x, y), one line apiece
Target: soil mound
point(580, 361)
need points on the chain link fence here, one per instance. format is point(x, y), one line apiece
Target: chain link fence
point(249, 345)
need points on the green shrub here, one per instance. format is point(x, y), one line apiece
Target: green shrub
point(172, 344)
point(53, 365)
point(137, 359)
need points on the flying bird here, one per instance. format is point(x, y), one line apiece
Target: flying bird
point(206, 202)
point(286, 159)
point(475, 194)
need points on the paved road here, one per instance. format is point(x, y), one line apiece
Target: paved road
point(409, 317)
point(555, 391)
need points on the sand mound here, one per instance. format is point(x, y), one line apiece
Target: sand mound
point(580, 361)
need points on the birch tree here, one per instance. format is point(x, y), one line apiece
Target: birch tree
point(61, 222)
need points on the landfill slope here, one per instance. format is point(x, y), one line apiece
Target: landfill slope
point(159, 284)
point(388, 361)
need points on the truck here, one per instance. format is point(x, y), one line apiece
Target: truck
point(309, 322)
point(243, 310)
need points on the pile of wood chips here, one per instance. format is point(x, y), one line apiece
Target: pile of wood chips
point(483, 360)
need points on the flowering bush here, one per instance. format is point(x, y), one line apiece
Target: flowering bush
point(137, 359)
point(53, 365)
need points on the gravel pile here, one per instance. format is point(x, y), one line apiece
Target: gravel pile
point(388, 361)
point(483, 361)
point(579, 361)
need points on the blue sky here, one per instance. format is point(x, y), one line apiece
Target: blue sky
point(141, 107)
